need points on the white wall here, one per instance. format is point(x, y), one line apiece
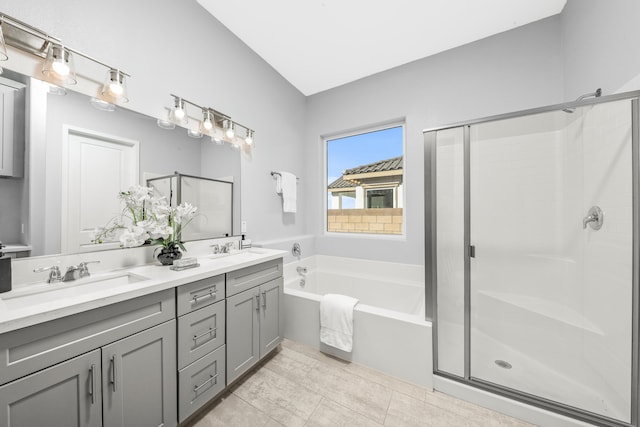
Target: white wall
point(515, 70)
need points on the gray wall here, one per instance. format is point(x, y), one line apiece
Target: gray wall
point(518, 69)
point(600, 46)
point(177, 47)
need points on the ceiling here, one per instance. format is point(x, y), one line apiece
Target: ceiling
point(320, 44)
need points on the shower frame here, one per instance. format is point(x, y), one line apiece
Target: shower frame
point(431, 287)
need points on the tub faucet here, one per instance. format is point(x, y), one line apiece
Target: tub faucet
point(302, 271)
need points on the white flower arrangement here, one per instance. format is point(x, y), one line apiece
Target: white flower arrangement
point(146, 219)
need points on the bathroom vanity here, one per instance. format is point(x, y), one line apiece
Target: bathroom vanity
point(149, 351)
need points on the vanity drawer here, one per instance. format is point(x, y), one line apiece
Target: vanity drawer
point(254, 275)
point(200, 332)
point(200, 382)
point(201, 293)
point(30, 349)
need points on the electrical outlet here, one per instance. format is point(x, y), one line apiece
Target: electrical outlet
point(243, 226)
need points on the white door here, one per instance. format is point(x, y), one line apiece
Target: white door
point(96, 167)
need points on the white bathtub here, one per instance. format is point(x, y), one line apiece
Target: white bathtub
point(390, 333)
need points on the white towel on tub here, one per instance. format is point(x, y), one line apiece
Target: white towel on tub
point(336, 321)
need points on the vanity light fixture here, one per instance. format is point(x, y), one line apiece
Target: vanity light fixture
point(115, 85)
point(218, 126)
point(59, 64)
point(207, 124)
point(179, 113)
point(249, 138)
point(3, 46)
point(102, 105)
point(59, 58)
point(230, 130)
point(194, 133)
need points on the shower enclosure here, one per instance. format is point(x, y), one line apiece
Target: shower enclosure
point(532, 241)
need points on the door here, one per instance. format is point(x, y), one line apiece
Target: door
point(64, 395)
point(551, 283)
point(270, 325)
point(139, 379)
point(96, 167)
point(243, 332)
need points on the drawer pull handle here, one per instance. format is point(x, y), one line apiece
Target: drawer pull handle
point(92, 380)
point(213, 378)
point(112, 380)
point(209, 332)
point(258, 302)
point(196, 298)
point(264, 300)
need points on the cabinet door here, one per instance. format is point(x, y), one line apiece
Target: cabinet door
point(243, 346)
point(64, 395)
point(6, 132)
point(139, 379)
point(270, 325)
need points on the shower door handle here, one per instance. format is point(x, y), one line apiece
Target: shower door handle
point(594, 218)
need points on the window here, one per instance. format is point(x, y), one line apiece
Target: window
point(365, 182)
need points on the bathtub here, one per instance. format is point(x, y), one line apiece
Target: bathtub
point(390, 332)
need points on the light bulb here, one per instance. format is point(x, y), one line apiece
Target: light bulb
point(178, 113)
point(116, 89)
point(230, 132)
point(60, 68)
point(249, 138)
point(206, 123)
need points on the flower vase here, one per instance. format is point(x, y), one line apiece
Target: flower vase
point(168, 254)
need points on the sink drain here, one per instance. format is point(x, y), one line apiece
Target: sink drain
point(503, 364)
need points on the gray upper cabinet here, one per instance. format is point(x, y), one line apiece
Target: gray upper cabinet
point(139, 379)
point(12, 131)
point(64, 395)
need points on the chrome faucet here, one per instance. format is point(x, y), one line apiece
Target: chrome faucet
point(215, 248)
point(54, 273)
point(84, 268)
point(594, 218)
point(78, 272)
point(72, 273)
point(226, 248)
point(302, 271)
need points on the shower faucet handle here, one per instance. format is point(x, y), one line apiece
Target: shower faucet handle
point(594, 218)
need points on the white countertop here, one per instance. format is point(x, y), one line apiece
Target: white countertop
point(38, 310)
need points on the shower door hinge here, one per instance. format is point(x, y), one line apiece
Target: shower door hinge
point(472, 251)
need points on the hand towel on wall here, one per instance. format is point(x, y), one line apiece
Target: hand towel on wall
point(286, 184)
point(336, 321)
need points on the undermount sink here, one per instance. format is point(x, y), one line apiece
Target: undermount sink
point(50, 292)
point(235, 254)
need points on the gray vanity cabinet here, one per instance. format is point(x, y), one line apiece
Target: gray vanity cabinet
point(201, 339)
point(254, 321)
point(64, 395)
point(111, 366)
point(138, 379)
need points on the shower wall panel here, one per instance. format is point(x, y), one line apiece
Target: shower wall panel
point(551, 300)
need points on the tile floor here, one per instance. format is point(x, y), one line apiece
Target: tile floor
point(299, 386)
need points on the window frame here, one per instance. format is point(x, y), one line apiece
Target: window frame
point(397, 194)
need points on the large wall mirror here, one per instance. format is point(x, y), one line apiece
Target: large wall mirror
point(78, 157)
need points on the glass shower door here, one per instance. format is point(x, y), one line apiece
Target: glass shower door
point(551, 292)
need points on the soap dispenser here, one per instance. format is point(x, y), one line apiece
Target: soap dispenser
point(5, 271)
